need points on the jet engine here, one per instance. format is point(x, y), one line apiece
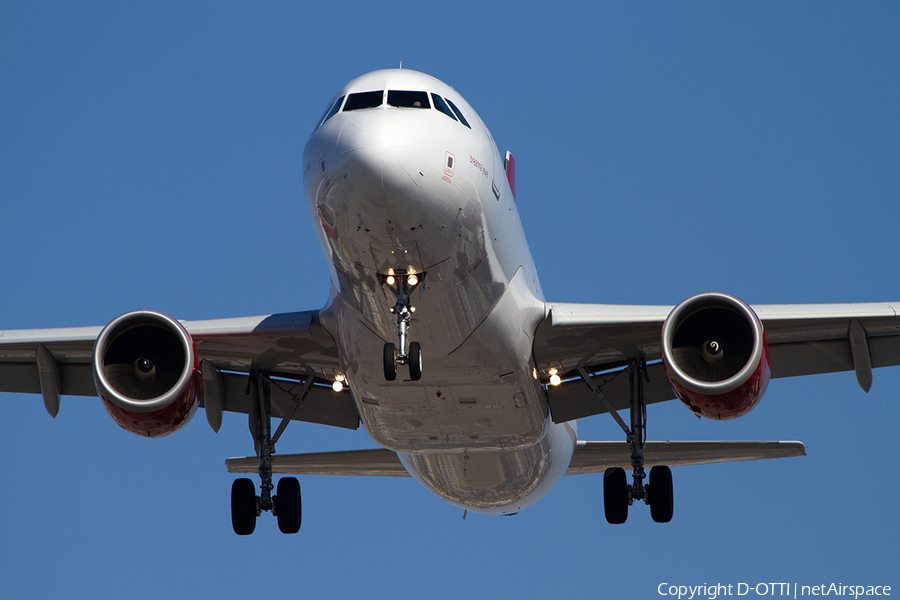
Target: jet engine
point(147, 373)
point(715, 354)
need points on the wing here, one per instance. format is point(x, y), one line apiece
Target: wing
point(803, 339)
point(291, 347)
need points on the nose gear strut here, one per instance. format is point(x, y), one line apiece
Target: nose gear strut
point(402, 283)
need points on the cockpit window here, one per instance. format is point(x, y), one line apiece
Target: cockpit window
point(462, 119)
point(404, 99)
point(442, 106)
point(363, 100)
point(398, 99)
point(332, 110)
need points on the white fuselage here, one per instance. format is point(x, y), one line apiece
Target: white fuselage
point(394, 189)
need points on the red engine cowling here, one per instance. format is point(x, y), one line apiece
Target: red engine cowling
point(715, 354)
point(147, 373)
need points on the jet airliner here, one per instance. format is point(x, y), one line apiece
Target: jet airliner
point(438, 340)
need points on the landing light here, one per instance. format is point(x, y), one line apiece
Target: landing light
point(555, 380)
point(337, 386)
point(390, 280)
point(412, 280)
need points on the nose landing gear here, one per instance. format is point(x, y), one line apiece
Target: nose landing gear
point(413, 358)
point(402, 283)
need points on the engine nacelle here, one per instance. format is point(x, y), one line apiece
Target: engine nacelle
point(715, 354)
point(147, 373)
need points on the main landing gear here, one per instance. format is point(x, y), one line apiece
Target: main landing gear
point(617, 494)
point(286, 505)
point(402, 282)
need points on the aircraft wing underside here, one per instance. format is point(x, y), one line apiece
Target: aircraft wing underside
point(603, 339)
point(803, 339)
point(288, 346)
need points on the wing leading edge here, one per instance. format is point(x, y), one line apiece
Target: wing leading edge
point(803, 339)
point(290, 347)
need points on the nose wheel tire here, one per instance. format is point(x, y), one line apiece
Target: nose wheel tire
point(415, 361)
point(390, 362)
point(615, 495)
point(288, 505)
point(659, 493)
point(243, 506)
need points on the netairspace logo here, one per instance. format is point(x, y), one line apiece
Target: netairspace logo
point(793, 590)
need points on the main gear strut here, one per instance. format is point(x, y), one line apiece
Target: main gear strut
point(617, 494)
point(637, 374)
point(246, 506)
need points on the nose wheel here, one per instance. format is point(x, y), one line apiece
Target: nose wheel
point(402, 283)
point(390, 361)
point(415, 361)
point(413, 358)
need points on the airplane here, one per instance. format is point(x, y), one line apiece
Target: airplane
point(438, 340)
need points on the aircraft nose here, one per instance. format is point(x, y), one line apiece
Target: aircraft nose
point(390, 149)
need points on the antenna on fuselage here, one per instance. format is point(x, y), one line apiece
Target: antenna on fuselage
point(401, 64)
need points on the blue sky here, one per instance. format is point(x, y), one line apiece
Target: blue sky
point(150, 157)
